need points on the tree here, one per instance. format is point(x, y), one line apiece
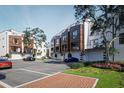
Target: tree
point(38, 36)
point(105, 20)
point(27, 39)
point(35, 35)
point(27, 36)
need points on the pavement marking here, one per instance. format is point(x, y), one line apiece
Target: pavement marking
point(36, 80)
point(35, 71)
point(94, 85)
point(8, 86)
point(5, 85)
point(8, 70)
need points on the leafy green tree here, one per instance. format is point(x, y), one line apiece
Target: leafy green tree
point(103, 17)
point(35, 35)
point(38, 35)
point(27, 37)
point(27, 40)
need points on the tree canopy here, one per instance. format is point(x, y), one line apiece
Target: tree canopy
point(103, 17)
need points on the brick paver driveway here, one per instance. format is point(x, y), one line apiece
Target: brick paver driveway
point(62, 80)
point(40, 74)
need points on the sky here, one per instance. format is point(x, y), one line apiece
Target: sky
point(52, 19)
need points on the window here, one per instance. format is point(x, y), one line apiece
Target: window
point(64, 38)
point(15, 41)
point(75, 46)
point(52, 43)
point(57, 41)
point(74, 34)
point(121, 38)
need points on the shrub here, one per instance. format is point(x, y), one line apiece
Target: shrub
point(87, 64)
point(102, 65)
point(117, 67)
point(120, 63)
point(75, 65)
point(113, 66)
point(8, 55)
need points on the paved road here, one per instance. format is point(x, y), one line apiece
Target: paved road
point(23, 72)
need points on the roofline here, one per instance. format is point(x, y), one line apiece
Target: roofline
point(62, 31)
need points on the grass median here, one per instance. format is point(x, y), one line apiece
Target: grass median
point(107, 78)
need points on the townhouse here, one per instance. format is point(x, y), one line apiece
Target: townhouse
point(77, 41)
point(68, 42)
point(11, 42)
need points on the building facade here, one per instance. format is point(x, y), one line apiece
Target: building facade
point(70, 42)
point(11, 42)
point(78, 42)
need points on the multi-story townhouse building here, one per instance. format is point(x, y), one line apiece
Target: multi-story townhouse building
point(68, 42)
point(77, 40)
point(11, 42)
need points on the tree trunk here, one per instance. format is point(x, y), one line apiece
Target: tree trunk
point(106, 47)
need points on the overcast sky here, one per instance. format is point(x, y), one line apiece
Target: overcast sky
point(52, 19)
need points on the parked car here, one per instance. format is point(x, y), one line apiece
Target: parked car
point(29, 58)
point(5, 63)
point(71, 59)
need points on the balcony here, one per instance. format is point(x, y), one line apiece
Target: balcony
point(64, 48)
point(57, 42)
point(64, 37)
point(75, 46)
point(75, 38)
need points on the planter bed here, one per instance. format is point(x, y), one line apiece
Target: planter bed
point(114, 66)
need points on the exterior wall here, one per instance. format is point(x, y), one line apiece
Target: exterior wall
point(17, 45)
point(93, 50)
point(41, 51)
point(76, 54)
point(6, 42)
point(94, 55)
point(120, 48)
point(3, 43)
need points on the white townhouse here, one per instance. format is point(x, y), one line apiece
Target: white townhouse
point(11, 42)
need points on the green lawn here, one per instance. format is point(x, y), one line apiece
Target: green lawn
point(107, 78)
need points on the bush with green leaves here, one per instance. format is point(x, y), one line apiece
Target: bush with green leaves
point(75, 65)
point(8, 55)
